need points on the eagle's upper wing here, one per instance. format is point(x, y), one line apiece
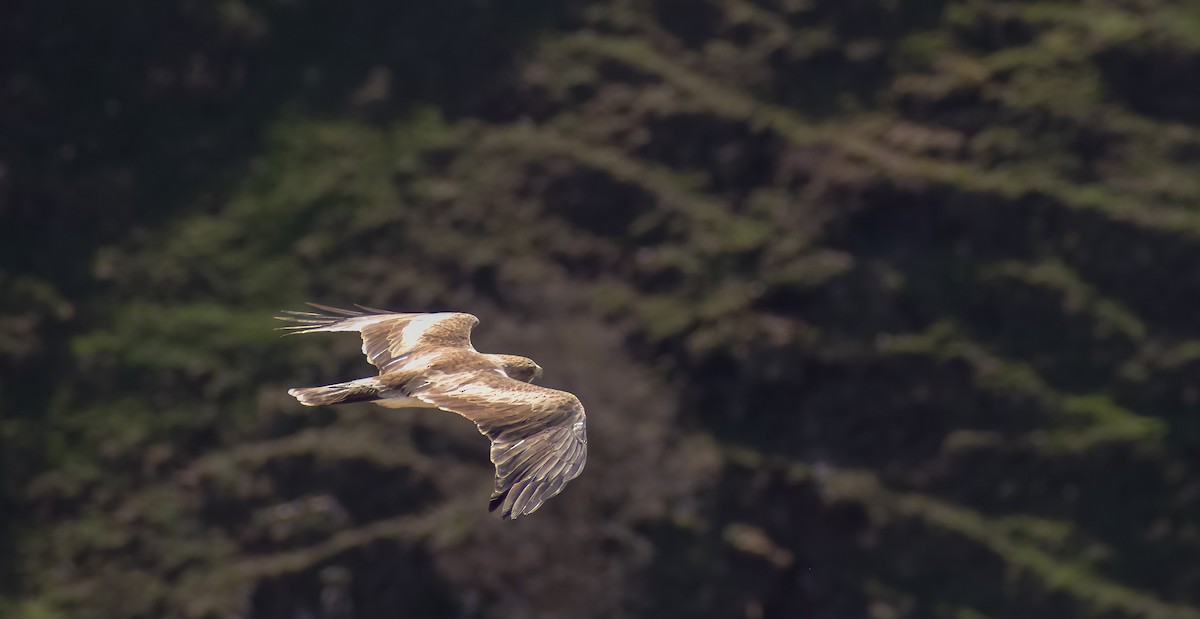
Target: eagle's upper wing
point(539, 435)
point(389, 339)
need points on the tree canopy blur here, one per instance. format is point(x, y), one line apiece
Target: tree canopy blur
point(878, 309)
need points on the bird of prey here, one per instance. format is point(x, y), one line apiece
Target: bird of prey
point(538, 435)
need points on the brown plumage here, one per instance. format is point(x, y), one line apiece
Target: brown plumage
point(539, 435)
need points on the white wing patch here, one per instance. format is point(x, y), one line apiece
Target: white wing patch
point(419, 325)
point(389, 338)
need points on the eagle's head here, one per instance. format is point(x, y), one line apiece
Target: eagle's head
point(520, 368)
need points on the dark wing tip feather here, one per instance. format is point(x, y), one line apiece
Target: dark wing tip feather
point(329, 316)
point(294, 329)
point(496, 502)
point(333, 310)
point(312, 319)
point(372, 310)
point(307, 321)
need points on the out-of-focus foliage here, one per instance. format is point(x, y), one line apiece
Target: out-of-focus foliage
point(880, 309)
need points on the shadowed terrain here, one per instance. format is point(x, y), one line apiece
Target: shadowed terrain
point(877, 309)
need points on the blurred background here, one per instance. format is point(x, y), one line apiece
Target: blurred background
point(878, 309)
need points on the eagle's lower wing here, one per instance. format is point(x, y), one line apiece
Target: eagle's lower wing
point(539, 435)
point(390, 339)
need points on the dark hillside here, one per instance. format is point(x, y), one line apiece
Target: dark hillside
point(878, 310)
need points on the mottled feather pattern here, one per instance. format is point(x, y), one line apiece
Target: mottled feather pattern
point(390, 338)
point(390, 343)
point(538, 435)
point(535, 445)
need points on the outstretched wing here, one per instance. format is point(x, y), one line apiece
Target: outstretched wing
point(539, 435)
point(389, 339)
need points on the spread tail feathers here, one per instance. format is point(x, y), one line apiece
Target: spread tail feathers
point(364, 390)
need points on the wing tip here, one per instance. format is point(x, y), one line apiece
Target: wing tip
point(373, 310)
point(333, 310)
point(496, 501)
point(508, 506)
point(513, 507)
point(307, 322)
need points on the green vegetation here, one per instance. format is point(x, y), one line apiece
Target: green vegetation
point(878, 309)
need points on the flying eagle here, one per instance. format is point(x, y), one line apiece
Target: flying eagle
point(538, 435)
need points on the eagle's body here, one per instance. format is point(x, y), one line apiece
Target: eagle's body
point(539, 436)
